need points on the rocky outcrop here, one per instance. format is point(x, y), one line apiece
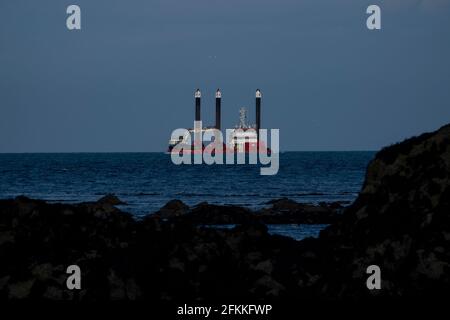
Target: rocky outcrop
point(289, 211)
point(111, 199)
point(400, 222)
point(280, 211)
point(124, 259)
point(38, 241)
point(172, 209)
point(206, 214)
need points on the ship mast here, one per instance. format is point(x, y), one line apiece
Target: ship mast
point(243, 118)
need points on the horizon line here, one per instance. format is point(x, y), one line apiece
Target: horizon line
point(164, 152)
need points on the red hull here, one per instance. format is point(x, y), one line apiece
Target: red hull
point(249, 149)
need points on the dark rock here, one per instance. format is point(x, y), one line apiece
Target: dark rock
point(173, 208)
point(398, 222)
point(21, 290)
point(282, 211)
point(110, 199)
point(205, 213)
point(286, 211)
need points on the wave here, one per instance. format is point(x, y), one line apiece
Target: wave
point(218, 195)
point(305, 194)
point(143, 194)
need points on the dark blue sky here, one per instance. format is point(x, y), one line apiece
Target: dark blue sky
point(127, 79)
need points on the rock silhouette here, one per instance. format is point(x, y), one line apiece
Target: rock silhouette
point(400, 222)
point(281, 211)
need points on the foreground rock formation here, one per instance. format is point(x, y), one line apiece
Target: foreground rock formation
point(400, 222)
point(280, 211)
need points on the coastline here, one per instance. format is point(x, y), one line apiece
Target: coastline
point(399, 222)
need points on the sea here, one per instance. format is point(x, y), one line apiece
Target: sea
point(146, 181)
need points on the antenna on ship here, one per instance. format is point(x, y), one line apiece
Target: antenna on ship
point(243, 118)
point(218, 107)
point(198, 96)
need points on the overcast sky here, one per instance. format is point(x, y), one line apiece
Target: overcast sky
point(127, 79)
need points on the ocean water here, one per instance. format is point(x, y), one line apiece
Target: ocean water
point(296, 231)
point(146, 181)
